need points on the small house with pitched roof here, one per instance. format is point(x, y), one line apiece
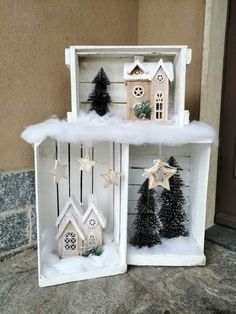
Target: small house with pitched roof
point(78, 231)
point(149, 82)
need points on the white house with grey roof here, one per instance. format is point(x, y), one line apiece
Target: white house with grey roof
point(78, 231)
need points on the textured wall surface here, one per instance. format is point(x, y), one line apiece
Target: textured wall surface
point(34, 81)
point(17, 211)
point(173, 22)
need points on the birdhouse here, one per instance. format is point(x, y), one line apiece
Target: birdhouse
point(148, 89)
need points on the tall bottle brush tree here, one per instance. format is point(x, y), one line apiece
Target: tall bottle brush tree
point(172, 213)
point(100, 97)
point(146, 224)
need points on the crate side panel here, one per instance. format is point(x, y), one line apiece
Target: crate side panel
point(47, 192)
point(198, 197)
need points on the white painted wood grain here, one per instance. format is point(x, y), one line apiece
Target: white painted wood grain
point(63, 184)
point(117, 91)
point(182, 150)
point(198, 185)
point(117, 193)
point(89, 67)
point(146, 161)
point(124, 201)
point(74, 81)
point(75, 174)
point(119, 110)
point(135, 176)
point(86, 178)
point(103, 155)
point(47, 194)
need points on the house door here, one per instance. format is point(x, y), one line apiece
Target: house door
point(226, 180)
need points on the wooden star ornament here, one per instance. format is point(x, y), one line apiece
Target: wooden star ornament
point(86, 164)
point(159, 174)
point(59, 171)
point(111, 177)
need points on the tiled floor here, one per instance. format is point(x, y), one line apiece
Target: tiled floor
point(223, 236)
point(209, 289)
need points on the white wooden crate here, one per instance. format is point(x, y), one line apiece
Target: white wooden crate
point(183, 251)
point(51, 198)
point(85, 61)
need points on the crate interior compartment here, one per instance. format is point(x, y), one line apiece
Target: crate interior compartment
point(85, 62)
point(51, 198)
point(194, 161)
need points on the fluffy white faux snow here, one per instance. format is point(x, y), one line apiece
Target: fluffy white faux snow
point(52, 265)
point(90, 128)
point(175, 246)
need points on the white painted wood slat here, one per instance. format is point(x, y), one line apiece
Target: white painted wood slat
point(103, 155)
point(117, 91)
point(75, 174)
point(63, 184)
point(117, 192)
point(119, 110)
point(86, 178)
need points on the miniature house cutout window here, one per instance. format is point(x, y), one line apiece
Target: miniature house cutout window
point(70, 241)
point(159, 105)
point(136, 71)
point(138, 91)
point(160, 78)
point(92, 222)
point(92, 239)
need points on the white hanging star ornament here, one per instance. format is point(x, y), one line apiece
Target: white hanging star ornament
point(159, 174)
point(59, 171)
point(111, 177)
point(86, 164)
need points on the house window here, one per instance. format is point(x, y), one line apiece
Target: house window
point(92, 239)
point(160, 78)
point(138, 91)
point(92, 222)
point(136, 71)
point(70, 241)
point(159, 106)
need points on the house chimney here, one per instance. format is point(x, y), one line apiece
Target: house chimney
point(92, 199)
point(139, 58)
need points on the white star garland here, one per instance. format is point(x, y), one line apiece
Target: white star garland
point(111, 177)
point(86, 164)
point(59, 171)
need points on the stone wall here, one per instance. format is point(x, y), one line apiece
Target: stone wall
point(17, 211)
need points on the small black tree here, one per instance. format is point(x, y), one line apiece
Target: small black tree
point(172, 213)
point(146, 224)
point(99, 97)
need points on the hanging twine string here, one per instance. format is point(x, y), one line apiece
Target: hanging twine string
point(160, 151)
